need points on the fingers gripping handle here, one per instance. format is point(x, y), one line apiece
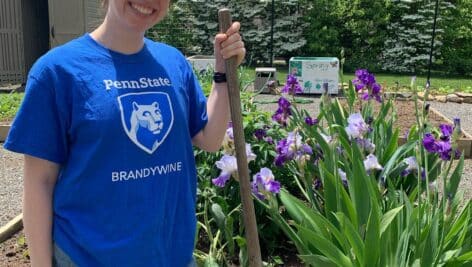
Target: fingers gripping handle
point(225, 22)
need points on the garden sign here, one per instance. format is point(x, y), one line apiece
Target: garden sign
point(313, 72)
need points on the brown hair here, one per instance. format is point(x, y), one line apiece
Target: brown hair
point(104, 3)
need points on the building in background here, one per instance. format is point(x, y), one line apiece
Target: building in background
point(29, 28)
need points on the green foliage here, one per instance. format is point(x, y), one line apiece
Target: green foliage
point(166, 30)
point(374, 220)
point(219, 209)
point(393, 35)
point(365, 217)
point(191, 26)
point(408, 45)
point(9, 105)
point(458, 39)
point(357, 26)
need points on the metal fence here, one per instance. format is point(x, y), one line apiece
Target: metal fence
point(12, 66)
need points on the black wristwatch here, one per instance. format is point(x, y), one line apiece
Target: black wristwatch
point(219, 77)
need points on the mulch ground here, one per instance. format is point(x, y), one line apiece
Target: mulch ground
point(13, 253)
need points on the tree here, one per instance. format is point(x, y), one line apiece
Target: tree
point(174, 30)
point(289, 27)
point(357, 26)
point(457, 49)
point(193, 24)
point(408, 45)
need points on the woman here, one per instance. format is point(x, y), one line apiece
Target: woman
point(107, 127)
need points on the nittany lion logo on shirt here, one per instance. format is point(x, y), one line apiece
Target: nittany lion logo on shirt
point(147, 118)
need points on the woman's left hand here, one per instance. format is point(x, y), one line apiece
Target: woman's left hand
point(227, 45)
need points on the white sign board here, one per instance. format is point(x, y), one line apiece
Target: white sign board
point(202, 63)
point(313, 72)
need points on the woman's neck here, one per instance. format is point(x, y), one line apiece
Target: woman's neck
point(118, 39)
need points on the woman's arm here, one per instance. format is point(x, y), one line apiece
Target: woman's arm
point(226, 46)
point(38, 185)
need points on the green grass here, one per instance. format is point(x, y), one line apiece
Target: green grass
point(439, 84)
point(9, 103)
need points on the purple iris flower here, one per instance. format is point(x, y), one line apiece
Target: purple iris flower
point(343, 176)
point(269, 140)
point(311, 121)
point(228, 165)
point(429, 143)
point(412, 166)
point(363, 79)
point(280, 160)
point(457, 122)
point(284, 103)
point(264, 183)
point(405, 173)
point(292, 148)
point(283, 112)
point(260, 134)
point(446, 131)
point(371, 163)
point(356, 126)
point(327, 138)
point(376, 89)
point(365, 82)
point(229, 132)
point(317, 184)
point(411, 163)
point(366, 144)
point(444, 149)
point(292, 86)
point(221, 180)
point(442, 146)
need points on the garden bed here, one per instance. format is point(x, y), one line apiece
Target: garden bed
point(14, 252)
point(406, 118)
point(405, 110)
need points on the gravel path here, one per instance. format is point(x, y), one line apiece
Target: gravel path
point(454, 110)
point(11, 184)
point(11, 170)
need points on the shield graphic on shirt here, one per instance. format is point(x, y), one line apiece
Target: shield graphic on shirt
point(147, 118)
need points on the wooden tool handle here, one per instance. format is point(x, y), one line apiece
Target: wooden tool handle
point(249, 217)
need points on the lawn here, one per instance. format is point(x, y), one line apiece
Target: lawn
point(439, 84)
point(9, 102)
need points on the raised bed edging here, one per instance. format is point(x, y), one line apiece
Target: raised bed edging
point(4, 129)
point(11, 228)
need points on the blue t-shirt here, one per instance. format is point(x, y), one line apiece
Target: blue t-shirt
point(120, 126)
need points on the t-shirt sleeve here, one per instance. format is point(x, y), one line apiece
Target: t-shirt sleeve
point(198, 116)
point(38, 129)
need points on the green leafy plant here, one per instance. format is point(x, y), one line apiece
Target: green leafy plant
point(9, 105)
point(361, 216)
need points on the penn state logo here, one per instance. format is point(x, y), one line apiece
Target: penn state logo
point(147, 118)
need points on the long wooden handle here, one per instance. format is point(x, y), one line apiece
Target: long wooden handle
point(249, 216)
